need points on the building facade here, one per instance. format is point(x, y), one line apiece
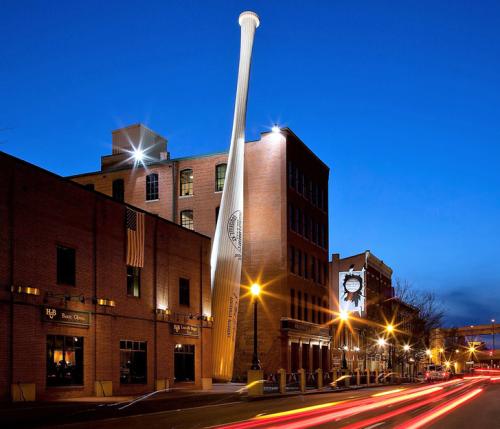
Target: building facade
point(285, 237)
point(77, 319)
point(379, 325)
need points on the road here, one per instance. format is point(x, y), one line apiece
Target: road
point(469, 403)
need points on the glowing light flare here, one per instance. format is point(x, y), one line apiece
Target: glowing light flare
point(381, 342)
point(255, 289)
point(299, 410)
point(276, 129)
point(343, 315)
point(406, 348)
point(426, 418)
point(389, 328)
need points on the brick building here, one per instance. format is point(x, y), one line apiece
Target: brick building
point(357, 344)
point(76, 319)
point(285, 231)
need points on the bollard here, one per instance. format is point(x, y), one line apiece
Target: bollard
point(347, 379)
point(302, 379)
point(334, 381)
point(368, 377)
point(376, 376)
point(358, 377)
point(255, 382)
point(319, 381)
point(282, 380)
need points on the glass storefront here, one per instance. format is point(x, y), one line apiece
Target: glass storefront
point(133, 362)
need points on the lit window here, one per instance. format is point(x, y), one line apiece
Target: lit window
point(187, 219)
point(186, 182)
point(64, 361)
point(151, 187)
point(220, 175)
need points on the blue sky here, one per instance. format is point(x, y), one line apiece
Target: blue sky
point(400, 99)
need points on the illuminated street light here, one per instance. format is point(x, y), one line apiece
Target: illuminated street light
point(276, 129)
point(343, 315)
point(138, 155)
point(406, 347)
point(389, 328)
point(428, 352)
point(472, 349)
point(255, 290)
point(457, 351)
point(381, 342)
point(441, 350)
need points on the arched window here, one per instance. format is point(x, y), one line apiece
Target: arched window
point(186, 182)
point(187, 219)
point(220, 176)
point(151, 187)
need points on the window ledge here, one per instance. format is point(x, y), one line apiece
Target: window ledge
point(152, 201)
point(186, 196)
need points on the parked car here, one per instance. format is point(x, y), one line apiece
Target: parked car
point(436, 373)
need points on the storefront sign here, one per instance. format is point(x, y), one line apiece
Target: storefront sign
point(67, 317)
point(185, 330)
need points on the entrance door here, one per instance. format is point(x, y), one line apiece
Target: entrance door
point(184, 362)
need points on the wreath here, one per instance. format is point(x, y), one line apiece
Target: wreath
point(353, 295)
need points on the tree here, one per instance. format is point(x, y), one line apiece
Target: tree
point(431, 312)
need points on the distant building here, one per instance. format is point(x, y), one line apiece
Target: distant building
point(285, 231)
point(362, 286)
point(98, 297)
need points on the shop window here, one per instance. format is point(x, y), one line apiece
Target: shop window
point(220, 176)
point(119, 190)
point(186, 182)
point(64, 360)
point(133, 362)
point(184, 292)
point(152, 187)
point(187, 220)
point(66, 265)
point(133, 281)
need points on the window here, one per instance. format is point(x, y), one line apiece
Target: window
point(291, 175)
point(187, 219)
point(299, 262)
point(220, 176)
point(89, 186)
point(292, 303)
point(66, 265)
point(64, 360)
point(184, 292)
point(299, 306)
point(313, 268)
point(325, 306)
point(133, 281)
point(119, 190)
point(313, 309)
point(300, 184)
point(306, 313)
point(299, 221)
point(292, 259)
point(306, 268)
point(133, 362)
point(151, 187)
point(186, 182)
point(291, 215)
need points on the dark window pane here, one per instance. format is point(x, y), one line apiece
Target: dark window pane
point(184, 292)
point(119, 190)
point(89, 186)
point(292, 303)
point(187, 220)
point(152, 187)
point(66, 265)
point(133, 362)
point(133, 281)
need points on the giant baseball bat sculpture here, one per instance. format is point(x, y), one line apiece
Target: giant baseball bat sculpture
point(228, 240)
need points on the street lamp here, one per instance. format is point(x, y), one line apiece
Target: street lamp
point(429, 355)
point(493, 333)
point(344, 317)
point(389, 329)
point(255, 290)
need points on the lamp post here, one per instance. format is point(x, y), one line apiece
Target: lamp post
point(390, 329)
point(406, 349)
point(255, 290)
point(493, 333)
point(344, 317)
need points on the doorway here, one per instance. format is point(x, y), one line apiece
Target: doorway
point(184, 362)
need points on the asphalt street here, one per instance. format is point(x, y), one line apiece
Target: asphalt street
point(462, 403)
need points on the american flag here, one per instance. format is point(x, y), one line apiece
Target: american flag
point(134, 225)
